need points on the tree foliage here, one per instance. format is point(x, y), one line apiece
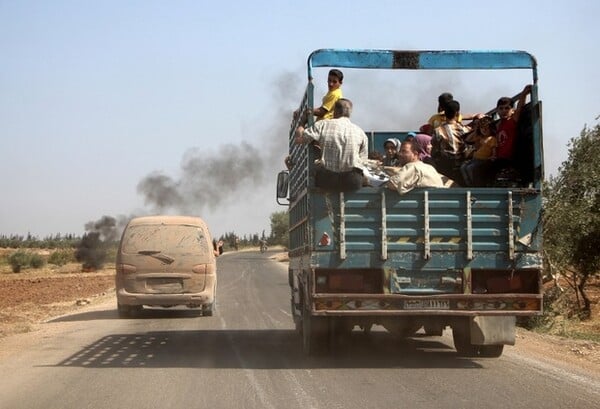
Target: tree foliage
point(572, 214)
point(56, 241)
point(280, 228)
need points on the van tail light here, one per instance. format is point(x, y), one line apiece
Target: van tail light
point(199, 269)
point(125, 268)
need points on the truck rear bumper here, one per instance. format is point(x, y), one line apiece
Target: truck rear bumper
point(450, 304)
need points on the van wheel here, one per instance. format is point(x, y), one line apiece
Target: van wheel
point(207, 310)
point(128, 311)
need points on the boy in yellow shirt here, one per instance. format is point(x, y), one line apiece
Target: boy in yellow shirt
point(334, 83)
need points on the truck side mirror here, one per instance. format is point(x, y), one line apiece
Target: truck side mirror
point(283, 182)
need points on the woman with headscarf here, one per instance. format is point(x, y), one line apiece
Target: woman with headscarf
point(423, 142)
point(390, 147)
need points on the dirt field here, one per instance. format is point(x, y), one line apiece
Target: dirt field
point(33, 296)
point(30, 298)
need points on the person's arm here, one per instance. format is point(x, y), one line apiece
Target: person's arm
point(298, 139)
point(470, 117)
point(306, 135)
point(319, 112)
point(327, 104)
point(526, 91)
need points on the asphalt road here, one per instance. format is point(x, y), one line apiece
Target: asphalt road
point(248, 356)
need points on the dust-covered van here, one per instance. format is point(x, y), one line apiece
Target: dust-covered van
point(165, 261)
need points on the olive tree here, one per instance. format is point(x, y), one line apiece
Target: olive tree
point(572, 215)
point(279, 228)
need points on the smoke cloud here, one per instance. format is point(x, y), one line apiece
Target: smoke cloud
point(232, 176)
point(232, 173)
point(92, 250)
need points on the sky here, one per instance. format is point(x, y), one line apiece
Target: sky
point(125, 108)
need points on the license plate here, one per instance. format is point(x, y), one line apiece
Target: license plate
point(426, 305)
point(165, 285)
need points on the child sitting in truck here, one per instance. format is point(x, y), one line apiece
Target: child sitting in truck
point(476, 171)
point(506, 129)
point(448, 145)
point(391, 148)
point(334, 83)
point(334, 93)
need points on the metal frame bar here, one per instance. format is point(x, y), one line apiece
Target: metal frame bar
point(342, 227)
point(384, 254)
point(469, 227)
point(511, 233)
point(426, 230)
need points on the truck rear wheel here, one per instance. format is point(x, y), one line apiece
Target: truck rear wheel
point(315, 333)
point(491, 351)
point(462, 343)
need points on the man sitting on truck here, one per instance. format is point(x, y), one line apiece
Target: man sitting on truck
point(413, 172)
point(344, 149)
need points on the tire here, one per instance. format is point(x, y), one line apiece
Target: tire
point(491, 351)
point(207, 310)
point(433, 330)
point(464, 348)
point(462, 343)
point(128, 311)
point(315, 333)
point(461, 335)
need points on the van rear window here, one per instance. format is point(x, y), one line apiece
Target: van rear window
point(174, 239)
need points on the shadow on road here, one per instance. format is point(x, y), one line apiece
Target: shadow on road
point(146, 313)
point(260, 349)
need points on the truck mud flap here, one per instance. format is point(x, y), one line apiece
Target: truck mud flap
point(487, 330)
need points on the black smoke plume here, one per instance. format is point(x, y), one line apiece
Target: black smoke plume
point(100, 235)
point(233, 173)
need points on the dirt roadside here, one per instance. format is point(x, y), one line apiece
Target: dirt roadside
point(33, 297)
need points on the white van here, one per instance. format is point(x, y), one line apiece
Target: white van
point(165, 261)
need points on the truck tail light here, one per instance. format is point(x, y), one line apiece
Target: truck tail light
point(325, 240)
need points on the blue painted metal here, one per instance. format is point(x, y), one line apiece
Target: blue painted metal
point(425, 233)
point(448, 228)
point(422, 60)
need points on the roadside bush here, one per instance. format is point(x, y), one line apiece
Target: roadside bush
point(18, 260)
point(36, 261)
point(60, 257)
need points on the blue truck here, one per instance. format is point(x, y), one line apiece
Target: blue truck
point(468, 258)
